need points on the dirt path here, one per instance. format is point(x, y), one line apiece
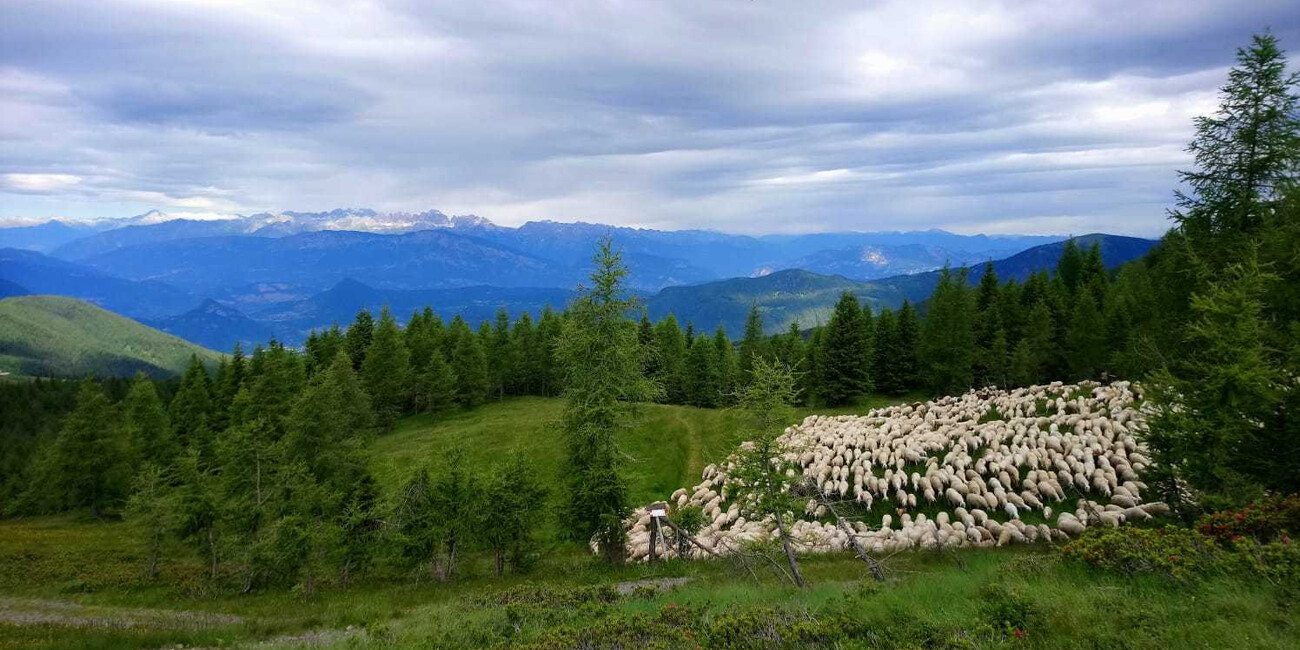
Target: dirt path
point(19, 611)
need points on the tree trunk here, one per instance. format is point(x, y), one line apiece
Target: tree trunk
point(212, 549)
point(789, 554)
point(501, 561)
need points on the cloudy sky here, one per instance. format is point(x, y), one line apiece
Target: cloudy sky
point(751, 116)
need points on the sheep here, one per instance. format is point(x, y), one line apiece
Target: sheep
point(938, 452)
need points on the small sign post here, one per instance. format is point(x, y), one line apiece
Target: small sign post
point(657, 509)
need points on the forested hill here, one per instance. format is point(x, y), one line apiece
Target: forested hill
point(807, 298)
point(65, 337)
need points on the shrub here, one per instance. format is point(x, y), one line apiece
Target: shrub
point(1008, 610)
point(1271, 518)
point(1179, 553)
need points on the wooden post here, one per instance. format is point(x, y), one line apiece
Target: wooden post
point(657, 509)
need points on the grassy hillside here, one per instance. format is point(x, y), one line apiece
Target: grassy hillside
point(669, 446)
point(66, 337)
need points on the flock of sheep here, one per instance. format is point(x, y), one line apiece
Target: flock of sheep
point(981, 463)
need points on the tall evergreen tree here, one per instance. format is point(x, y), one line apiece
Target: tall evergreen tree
point(470, 366)
point(507, 526)
point(670, 372)
point(909, 347)
point(501, 354)
point(948, 336)
point(328, 423)
point(844, 356)
point(726, 369)
point(358, 337)
point(603, 365)
point(754, 343)
point(1087, 349)
point(436, 387)
point(526, 378)
point(1032, 356)
point(90, 461)
point(191, 408)
point(1245, 154)
point(884, 355)
point(550, 375)
point(386, 370)
point(146, 425)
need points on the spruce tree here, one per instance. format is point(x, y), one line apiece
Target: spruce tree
point(1031, 357)
point(1069, 267)
point(844, 356)
point(1087, 349)
point(909, 347)
point(701, 384)
point(884, 355)
point(501, 355)
point(670, 345)
point(386, 371)
point(754, 343)
point(358, 337)
point(948, 336)
point(726, 369)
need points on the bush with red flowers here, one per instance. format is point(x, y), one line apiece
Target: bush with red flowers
point(1263, 521)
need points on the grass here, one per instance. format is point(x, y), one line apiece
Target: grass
point(65, 337)
point(666, 448)
point(81, 580)
point(92, 574)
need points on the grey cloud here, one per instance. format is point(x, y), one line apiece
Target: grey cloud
point(673, 114)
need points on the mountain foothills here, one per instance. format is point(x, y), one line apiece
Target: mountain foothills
point(283, 275)
point(57, 336)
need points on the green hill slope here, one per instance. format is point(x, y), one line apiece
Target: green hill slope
point(667, 448)
point(66, 337)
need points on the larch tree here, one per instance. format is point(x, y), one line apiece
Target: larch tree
point(602, 362)
point(764, 477)
point(386, 371)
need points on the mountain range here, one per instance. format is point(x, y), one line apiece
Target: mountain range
point(218, 281)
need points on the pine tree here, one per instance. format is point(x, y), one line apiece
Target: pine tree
point(948, 336)
point(455, 507)
point(550, 374)
point(844, 355)
point(1030, 359)
point(726, 369)
point(603, 365)
point(146, 425)
point(358, 337)
point(670, 344)
point(437, 387)
point(191, 408)
point(386, 371)
point(1087, 339)
point(909, 347)
point(526, 379)
point(754, 344)
point(470, 366)
point(328, 423)
point(90, 459)
point(1245, 154)
point(501, 354)
point(515, 496)
point(763, 477)
point(884, 355)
